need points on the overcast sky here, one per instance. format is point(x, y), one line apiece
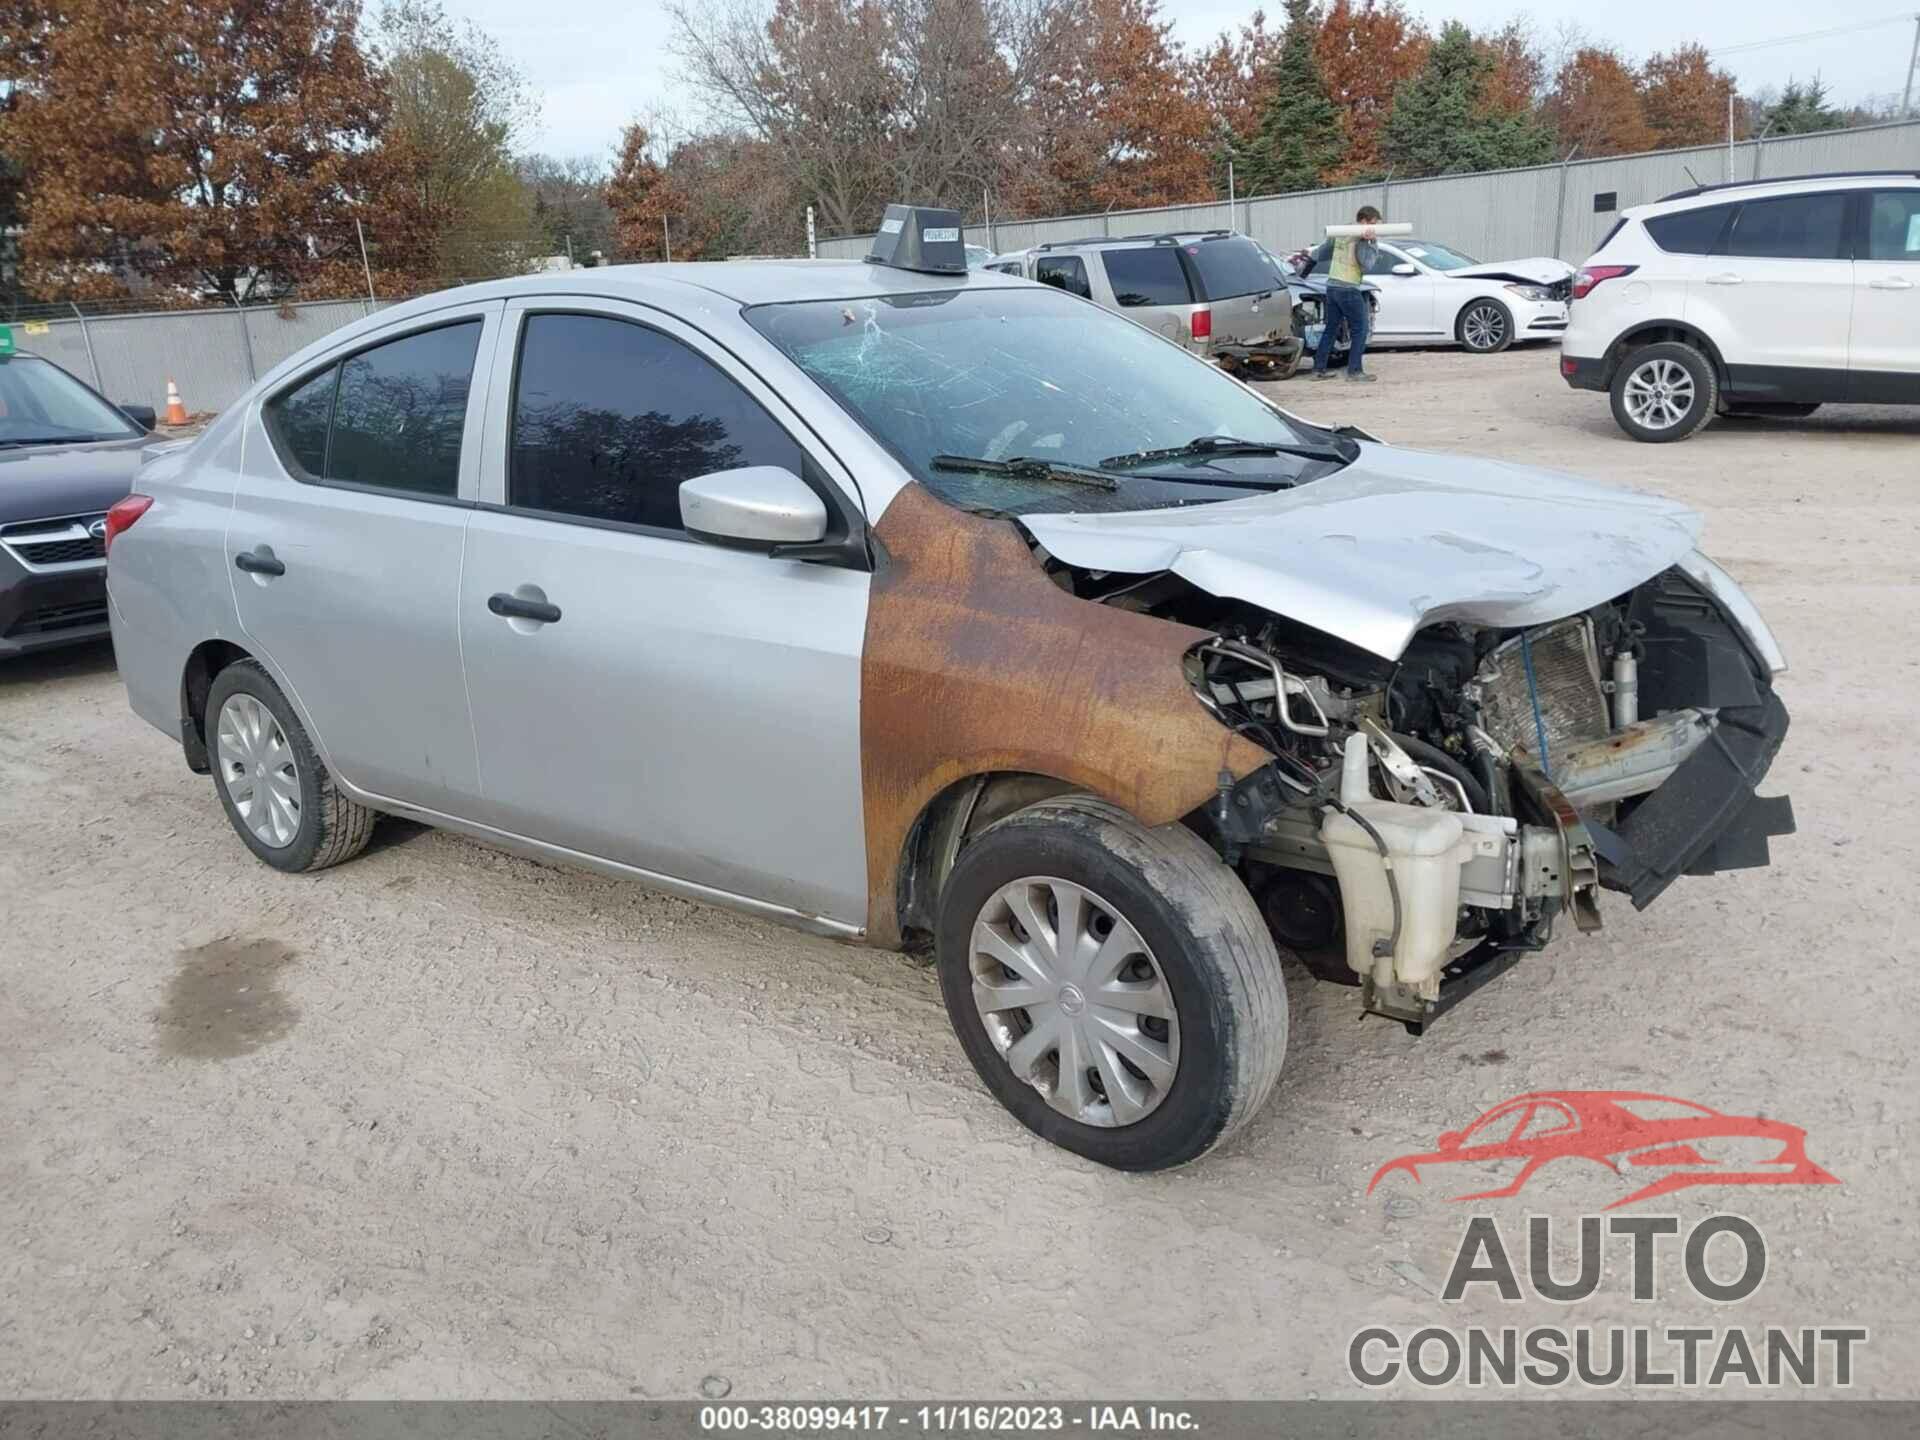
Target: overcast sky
point(601, 63)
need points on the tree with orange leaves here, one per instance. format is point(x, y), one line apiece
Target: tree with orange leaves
point(1367, 50)
point(1685, 96)
point(1595, 105)
point(215, 146)
point(1113, 125)
point(1232, 76)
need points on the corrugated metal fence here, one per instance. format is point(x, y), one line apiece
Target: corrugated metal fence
point(213, 354)
point(1496, 215)
point(216, 354)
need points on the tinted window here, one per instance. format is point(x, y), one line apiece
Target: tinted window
point(1792, 227)
point(1067, 272)
point(400, 410)
point(1689, 232)
point(609, 417)
point(1150, 276)
point(299, 419)
point(1230, 267)
point(1893, 226)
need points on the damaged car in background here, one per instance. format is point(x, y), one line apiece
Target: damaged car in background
point(945, 610)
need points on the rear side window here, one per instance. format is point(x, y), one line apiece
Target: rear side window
point(400, 411)
point(1790, 227)
point(609, 417)
point(1230, 267)
point(1893, 226)
point(390, 417)
point(1066, 272)
point(299, 419)
point(1689, 232)
point(1147, 276)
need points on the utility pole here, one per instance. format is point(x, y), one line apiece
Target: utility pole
point(1729, 134)
point(813, 245)
point(569, 252)
point(1913, 59)
point(666, 240)
point(367, 269)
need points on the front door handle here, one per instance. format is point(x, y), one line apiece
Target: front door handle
point(260, 562)
point(1890, 282)
point(1724, 279)
point(512, 607)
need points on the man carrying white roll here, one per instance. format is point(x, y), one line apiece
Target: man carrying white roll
point(1347, 259)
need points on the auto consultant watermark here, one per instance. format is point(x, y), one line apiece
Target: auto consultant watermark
point(1646, 1145)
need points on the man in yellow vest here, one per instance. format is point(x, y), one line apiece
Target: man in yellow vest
point(1347, 259)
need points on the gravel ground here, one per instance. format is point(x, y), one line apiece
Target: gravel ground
point(443, 1122)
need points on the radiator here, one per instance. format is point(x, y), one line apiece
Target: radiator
point(1566, 672)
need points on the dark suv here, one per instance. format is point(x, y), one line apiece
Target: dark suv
point(65, 456)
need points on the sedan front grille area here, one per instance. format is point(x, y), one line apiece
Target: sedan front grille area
point(1561, 289)
point(66, 541)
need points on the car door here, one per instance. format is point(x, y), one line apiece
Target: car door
point(1406, 300)
point(1884, 351)
point(685, 710)
point(344, 545)
point(1777, 297)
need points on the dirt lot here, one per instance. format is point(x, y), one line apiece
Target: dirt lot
point(446, 1123)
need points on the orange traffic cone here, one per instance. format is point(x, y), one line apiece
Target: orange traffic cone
point(176, 412)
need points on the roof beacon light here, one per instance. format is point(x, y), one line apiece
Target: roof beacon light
point(914, 237)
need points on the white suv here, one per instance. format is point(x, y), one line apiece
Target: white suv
point(1770, 298)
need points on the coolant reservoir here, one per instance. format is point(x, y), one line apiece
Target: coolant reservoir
point(1426, 847)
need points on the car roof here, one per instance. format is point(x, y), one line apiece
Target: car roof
point(1735, 191)
point(748, 282)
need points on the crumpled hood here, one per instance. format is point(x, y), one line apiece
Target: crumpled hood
point(1538, 270)
point(1397, 540)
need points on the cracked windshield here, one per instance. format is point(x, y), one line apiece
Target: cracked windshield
point(1023, 401)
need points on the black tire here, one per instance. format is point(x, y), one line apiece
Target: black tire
point(1771, 409)
point(1705, 386)
point(1498, 327)
point(331, 828)
point(1204, 933)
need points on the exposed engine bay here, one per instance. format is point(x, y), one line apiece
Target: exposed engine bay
point(1426, 820)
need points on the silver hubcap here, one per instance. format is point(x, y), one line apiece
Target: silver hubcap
point(1659, 394)
point(1074, 1002)
point(258, 770)
point(1484, 327)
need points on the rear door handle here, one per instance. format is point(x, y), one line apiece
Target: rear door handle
point(1891, 282)
point(256, 563)
point(512, 607)
point(1724, 279)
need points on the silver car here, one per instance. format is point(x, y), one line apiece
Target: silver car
point(1212, 291)
point(939, 609)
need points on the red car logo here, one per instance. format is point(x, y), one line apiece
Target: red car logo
point(1675, 1143)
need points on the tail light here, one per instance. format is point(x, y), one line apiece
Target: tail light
point(1592, 275)
point(122, 514)
point(1202, 323)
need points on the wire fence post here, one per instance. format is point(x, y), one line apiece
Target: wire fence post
point(246, 340)
point(365, 267)
point(86, 337)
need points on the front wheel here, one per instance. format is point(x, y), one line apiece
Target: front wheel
point(1485, 327)
point(1113, 985)
point(1664, 392)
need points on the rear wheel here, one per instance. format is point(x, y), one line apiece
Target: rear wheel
point(1113, 985)
point(278, 795)
point(1485, 327)
point(1664, 392)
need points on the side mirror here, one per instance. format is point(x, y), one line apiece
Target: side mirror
point(141, 415)
point(757, 507)
point(1450, 1140)
point(1403, 268)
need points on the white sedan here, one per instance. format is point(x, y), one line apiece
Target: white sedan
point(1430, 294)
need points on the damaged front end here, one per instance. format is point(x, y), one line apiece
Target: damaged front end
point(1427, 819)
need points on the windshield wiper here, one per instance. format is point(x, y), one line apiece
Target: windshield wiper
point(1213, 446)
point(1027, 467)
